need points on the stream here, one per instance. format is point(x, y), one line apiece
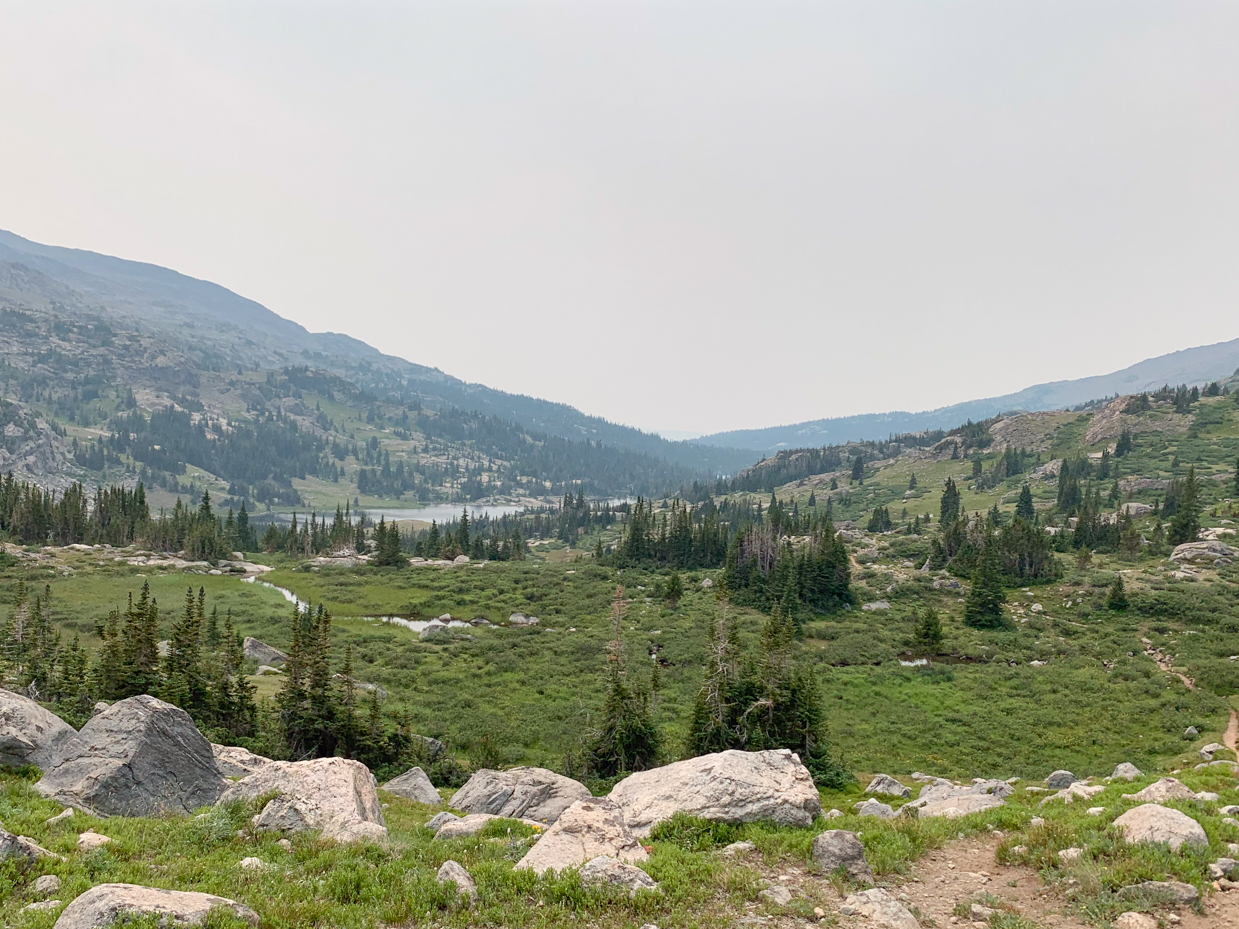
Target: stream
point(416, 625)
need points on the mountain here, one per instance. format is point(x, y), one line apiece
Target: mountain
point(224, 330)
point(1190, 366)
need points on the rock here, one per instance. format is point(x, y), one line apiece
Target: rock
point(21, 849)
point(1208, 796)
point(1201, 552)
point(41, 905)
point(1127, 772)
point(261, 653)
point(29, 734)
point(433, 629)
point(707, 584)
point(453, 872)
point(235, 761)
point(464, 826)
point(252, 864)
point(1229, 810)
point(520, 793)
point(460, 559)
point(266, 669)
point(1068, 855)
point(882, 909)
point(838, 848)
point(414, 785)
point(1077, 790)
point(1060, 779)
point(47, 885)
point(939, 797)
point(875, 606)
point(431, 749)
point(285, 844)
point(439, 819)
point(336, 795)
point(1095, 810)
point(1208, 751)
point(1172, 891)
point(946, 583)
point(1167, 788)
point(873, 807)
point(89, 840)
point(738, 848)
point(1190, 732)
point(1132, 920)
point(603, 871)
point(99, 707)
point(520, 619)
point(106, 904)
point(587, 830)
point(979, 913)
point(777, 894)
point(139, 757)
point(731, 786)
point(833, 814)
point(954, 807)
point(66, 813)
point(1158, 824)
point(887, 786)
point(1223, 867)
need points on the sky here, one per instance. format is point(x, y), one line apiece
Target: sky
point(683, 216)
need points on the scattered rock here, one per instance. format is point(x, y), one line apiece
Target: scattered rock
point(777, 894)
point(29, 734)
point(41, 905)
point(1095, 810)
point(707, 583)
point(1068, 855)
point(106, 904)
point(731, 786)
point(463, 826)
point(833, 814)
point(587, 830)
point(21, 849)
point(1223, 867)
point(979, 913)
point(1127, 772)
point(887, 786)
point(336, 795)
point(66, 813)
point(520, 619)
point(1070, 793)
point(89, 840)
point(1201, 552)
point(1172, 891)
point(520, 793)
point(873, 807)
point(838, 848)
point(603, 871)
point(47, 885)
point(1167, 788)
point(738, 848)
point(1132, 920)
point(1159, 824)
point(235, 761)
point(261, 653)
point(252, 864)
point(139, 757)
point(433, 629)
point(876, 605)
point(1208, 751)
point(1190, 732)
point(882, 909)
point(439, 819)
point(266, 669)
point(1060, 779)
point(453, 872)
point(414, 785)
point(940, 797)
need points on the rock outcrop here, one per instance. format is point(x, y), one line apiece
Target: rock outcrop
point(1203, 553)
point(260, 652)
point(1160, 825)
point(335, 795)
point(234, 761)
point(730, 786)
point(459, 827)
point(942, 798)
point(106, 904)
point(887, 786)
point(139, 757)
point(414, 785)
point(1166, 788)
point(21, 849)
point(881, 909)
point(586, 830)
point(610, 872)
point(520, 793)
point(29, 734)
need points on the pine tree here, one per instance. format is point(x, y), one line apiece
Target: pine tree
point(983, 606)
point(948, 508)
point(1117, 600)
point(858, 469)
point(927, 632)
point(1185, 526)
point(1024, 508)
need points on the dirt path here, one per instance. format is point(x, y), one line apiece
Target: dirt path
point(1163, 662)
point(1231, 739)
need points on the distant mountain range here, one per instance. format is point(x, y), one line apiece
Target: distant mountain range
point(1190, 366)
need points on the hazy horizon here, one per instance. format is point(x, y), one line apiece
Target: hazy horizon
point(682, 217)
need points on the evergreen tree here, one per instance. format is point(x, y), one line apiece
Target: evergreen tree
point(1024, 508)
point(912, 482)
point(858, 469)
point(1117, 600)
point(927, 632)
point(1185, 526)
point(948, 508)
point(983, 606)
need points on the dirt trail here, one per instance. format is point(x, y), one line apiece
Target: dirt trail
point(1231, 739)
point(1162, 661)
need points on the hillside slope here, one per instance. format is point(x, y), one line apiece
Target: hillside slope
point(1192, 366)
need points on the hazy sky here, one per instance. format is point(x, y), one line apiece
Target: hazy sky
point(682, 216)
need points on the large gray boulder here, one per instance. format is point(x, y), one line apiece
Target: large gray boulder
point(730, 787)
point(106, 904)
point(462, 827)
point(453, 872)
point(586, 830)
point(29, 734)
point(1161, 790)
point(520, 793)
point(881, 909)
point(139, 757)
point(887, 786)
point(335, 795)
point(1060, 779)
point(235, 761)
point(1201, 552)
point(611, 872)
point(414, 785)
point(1157, 824)
point(1127, 772)
point(21, 849)
point(260, 652)
point(839, 848)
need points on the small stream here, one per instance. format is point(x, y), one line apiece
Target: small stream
point(416, 625)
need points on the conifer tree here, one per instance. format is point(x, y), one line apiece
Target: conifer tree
point(927, 632)
point(1024, 508)
point(983, 606)
point(1117, 600)
point(1185, 526)
point(948, 508)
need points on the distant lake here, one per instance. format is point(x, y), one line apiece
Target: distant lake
point(439, 512)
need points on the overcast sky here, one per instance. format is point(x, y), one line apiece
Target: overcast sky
point(681, 216)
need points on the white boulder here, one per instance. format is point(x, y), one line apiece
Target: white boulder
point(586, 830)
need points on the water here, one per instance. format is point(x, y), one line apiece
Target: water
point(914, 663)
point(416, 625)
point(284, 591)
point(439, 512)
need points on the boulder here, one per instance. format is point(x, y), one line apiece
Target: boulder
point(1223, 867)
point(1190, 732)
point(1156, 824)
point(260, 652)
point(431, 749)
point(106, 904)
point(875, 606)
point(459, 827)
point(940, 797)
point(235, 761)
point(139, 757)
point(89, 840)
point(1133, 920)
point(439, 819)
point(588, 829)
point(1072, 792)
point(21, 849)
point(881, 909)
point(838, 848)
point(1169, 891)
point(1208, 751)
point(872, 807)
point(520, 793)
point(452, 872)
point(1167, 788)
point(778, 894)
point(1127, 772)
point(961, 805)
point(738, 848)
point(336, 795)
point(29, 734)
point(433, 629)
point(610, 872)
point(1201, 552)
point(1060, 779)
point(520, 619)
point(414, 785)
point(47, 885)
point(731, 786)
point(887, 786)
